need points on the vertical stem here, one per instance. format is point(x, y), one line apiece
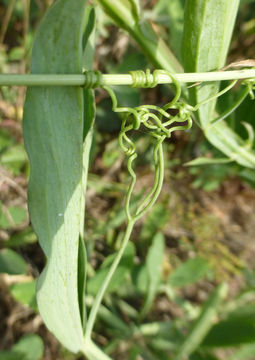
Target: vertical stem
point(6, 20)
point(26, 4)
point(100, 294)
point(26, 20)
point(158, 52)
point(154, 47)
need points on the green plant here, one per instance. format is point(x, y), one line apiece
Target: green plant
point(59, 162)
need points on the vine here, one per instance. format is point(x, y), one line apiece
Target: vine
point(159, 124)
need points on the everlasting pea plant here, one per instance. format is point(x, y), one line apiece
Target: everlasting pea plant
point(58, 125)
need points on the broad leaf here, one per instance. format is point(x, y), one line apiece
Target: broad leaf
point(25, 293)
point(29, 347)
point(12, 263)
point(189, 272)
point(13, 216)
point(54, 133)
point(238, 328)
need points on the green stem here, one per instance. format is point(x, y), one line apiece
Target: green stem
point(92, 352)
point(144, 208)
point(157, 51)
point(154, 47)
point(230, 110)
point(101, 292)
point(5, 21)
point(226, 89)
point(119, 79)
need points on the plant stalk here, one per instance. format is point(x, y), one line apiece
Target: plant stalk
point(101, 292)
point(142, 32)
point(119, 79)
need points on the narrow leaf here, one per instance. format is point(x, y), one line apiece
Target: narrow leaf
point(202, 325)
point(207, 161)
point(176, 15)
point(24, 237)
point(230, 143)
point(154, 262)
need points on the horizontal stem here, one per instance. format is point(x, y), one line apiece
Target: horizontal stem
point(118, 79)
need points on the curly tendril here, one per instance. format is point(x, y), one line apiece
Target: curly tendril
point(93, 79)
point(250, 83)
point(158, 123)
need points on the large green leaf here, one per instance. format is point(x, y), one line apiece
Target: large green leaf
point(54, 133)
point(208, 26)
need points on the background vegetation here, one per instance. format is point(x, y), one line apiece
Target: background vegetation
point(197, 243)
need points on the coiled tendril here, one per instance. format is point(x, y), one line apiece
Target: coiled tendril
point(159, 124)
point(250, 83)
point(93, 79)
